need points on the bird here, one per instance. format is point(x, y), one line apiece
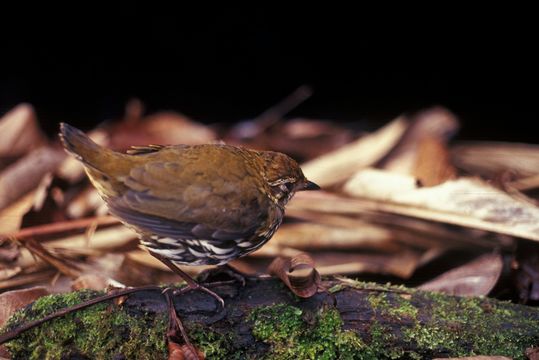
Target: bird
point(201, 204)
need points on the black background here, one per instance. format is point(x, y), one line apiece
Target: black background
point(230, 65)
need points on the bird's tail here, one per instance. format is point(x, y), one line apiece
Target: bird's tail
point(82, 147)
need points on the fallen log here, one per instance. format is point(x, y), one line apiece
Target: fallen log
point(263, 319)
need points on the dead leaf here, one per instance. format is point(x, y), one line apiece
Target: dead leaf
point(476, 278)
point(11, 216)
point(27, 280)
point(48, 204)
point(9, 272)
point(402, 264)
point(25, 175)
point(466, 202)
point(85, 203)
point(532, 353)
point(527, 183)
point(164, 128)
point(433, 164)
point(337, 166)
point(436, 123)
point(489, 158)
point(20, 132)
point(317, 236)
point(183, 352)
point(9, 252)
point(66, 267)
point(298, 273)
point(11, 301)
point(92, 281)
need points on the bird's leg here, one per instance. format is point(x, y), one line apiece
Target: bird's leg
point(191, 283)
point(175, 325)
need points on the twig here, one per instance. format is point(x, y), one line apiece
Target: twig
point(61, 227)
point(277, 111)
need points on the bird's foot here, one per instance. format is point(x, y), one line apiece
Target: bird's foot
point(222, 274)
point(196, 286)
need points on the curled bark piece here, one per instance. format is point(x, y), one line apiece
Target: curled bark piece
point(298, 273)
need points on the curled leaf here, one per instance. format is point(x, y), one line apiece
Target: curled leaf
point(183, 352)
point(298, 273)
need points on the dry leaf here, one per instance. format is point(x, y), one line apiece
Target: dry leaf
point(166, 128)
point(420, 232)
point(433, 165)
point(39, 277)
point(316, 236)
point(527, 183)
point(8, 273)
point(26, 174)
point(63, 265)
point(298, 273)
point(476, 278)
point(532, 353)
point(103, 240)
point(85, 203)
point(20, 132)
point(339, 165)
point(436, 123)
point(401, 264)
point(466, 202)
point(489, 159)
point(183, 352)
point(93, 282)
point(11, 216)
point(11, 301)
point(9, 252)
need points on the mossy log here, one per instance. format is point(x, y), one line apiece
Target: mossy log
point(264, 320)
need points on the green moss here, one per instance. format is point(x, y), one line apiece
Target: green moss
point(295, 335)
point(214, 345)
point(392, 305)
point(397, 323)
point(463, 327)
point(98, 332)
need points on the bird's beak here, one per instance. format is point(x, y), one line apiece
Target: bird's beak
point(309, 185)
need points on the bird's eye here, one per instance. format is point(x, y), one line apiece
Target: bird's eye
point(287, 187)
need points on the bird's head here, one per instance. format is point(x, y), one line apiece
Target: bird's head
point(284, 176)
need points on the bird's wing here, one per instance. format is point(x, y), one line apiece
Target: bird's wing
point(171, 200)
point(163, 227)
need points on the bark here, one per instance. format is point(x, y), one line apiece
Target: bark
point(263, 319)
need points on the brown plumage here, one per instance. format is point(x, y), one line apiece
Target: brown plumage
point(194, 205)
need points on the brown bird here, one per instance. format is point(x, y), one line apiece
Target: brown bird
point(192, 205)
